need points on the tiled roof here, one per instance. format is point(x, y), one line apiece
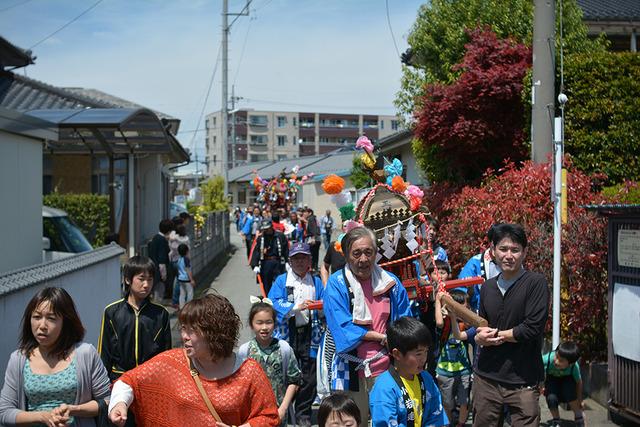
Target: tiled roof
point(610, 10)
point(29, 276)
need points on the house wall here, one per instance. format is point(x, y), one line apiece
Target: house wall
point(149, 200)
point(312, 195)
point(71, 173)
point(21, 189)
point(92, 287)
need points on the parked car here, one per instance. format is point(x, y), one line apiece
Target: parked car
point(61, 237)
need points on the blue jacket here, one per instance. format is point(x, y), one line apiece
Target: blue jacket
point(281, 303)
point(246, 228)
point(346, 334)
point(386, 403)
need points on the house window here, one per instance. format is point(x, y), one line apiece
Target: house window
point(214, 140)
point(295, 122)
point(381, 124)
point(282, 157)
point(307, 123)
point(394, 125)
point(259, 139)
point(214, 122)
point(242, 196)
point(282, 121)
point(259, 158)
point(282, 140)
point(258, 120)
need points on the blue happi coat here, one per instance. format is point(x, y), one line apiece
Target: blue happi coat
point(283, 303)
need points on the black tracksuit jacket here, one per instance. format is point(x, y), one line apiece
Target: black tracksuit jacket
point(129, 337)
point(525, 308)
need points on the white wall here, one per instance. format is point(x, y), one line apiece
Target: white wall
point(414, 175)
point(91, 288)
point(21, 193)
point(149, 199)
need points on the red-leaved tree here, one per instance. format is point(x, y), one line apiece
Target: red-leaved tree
point(522, 195)
point(474, 124)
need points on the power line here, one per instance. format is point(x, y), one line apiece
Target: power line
point(68, 23)
point(206, 98)
point(386, 2)
point(15, 5)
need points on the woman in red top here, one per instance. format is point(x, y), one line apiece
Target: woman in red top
point(162, 391)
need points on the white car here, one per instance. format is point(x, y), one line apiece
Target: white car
point(61, 237)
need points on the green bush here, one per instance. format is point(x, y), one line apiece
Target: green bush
point(627, 192)
point(89, 211)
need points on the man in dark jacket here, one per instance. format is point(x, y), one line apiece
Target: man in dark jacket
point(159, 254)
point(270, 254)
point(312, 236)
point(516, 305)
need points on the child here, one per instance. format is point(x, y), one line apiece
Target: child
point(429, 318)
point(274, 355)
point(338, 410)
point(185, 277)
point(406, 394)
point(454, 368)
point(563, 383)
point(134, 328)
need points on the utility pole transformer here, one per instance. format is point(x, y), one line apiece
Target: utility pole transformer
point(543, 89)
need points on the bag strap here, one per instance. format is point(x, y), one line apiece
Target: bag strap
point(196, 377)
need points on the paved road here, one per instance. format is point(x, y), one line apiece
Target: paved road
point(236, 281)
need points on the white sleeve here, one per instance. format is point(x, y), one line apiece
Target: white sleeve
point(121, 392)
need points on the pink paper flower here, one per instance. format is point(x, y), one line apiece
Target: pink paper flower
point(351, 224)
point(414, 191)
point(364, 143)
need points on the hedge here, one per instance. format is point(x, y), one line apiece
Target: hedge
point(89, 211)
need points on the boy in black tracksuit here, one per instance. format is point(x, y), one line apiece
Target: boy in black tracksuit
point(134, 329)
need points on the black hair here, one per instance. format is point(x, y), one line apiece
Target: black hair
point(62, 305)
point(183, 249)
point(338, 402)
point(491, 231)
point(408, 334)
point(275, 217)
point(459, 296)
point(136, 265)
point(261, 306)
point(181, 229)
point(177, 221)
point(111, 238)
point(568, 350)
point(439, 264)
point(185, 215)
point(165, 226)
point(515, 232)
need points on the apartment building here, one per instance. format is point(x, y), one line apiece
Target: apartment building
point(261, 135)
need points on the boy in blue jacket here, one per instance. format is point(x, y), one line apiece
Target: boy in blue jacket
point(406, 395)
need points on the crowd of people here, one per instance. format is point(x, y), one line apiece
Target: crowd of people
point(343, 335)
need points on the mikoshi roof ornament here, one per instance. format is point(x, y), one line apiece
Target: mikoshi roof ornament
point(279, 191)
point(394, 210)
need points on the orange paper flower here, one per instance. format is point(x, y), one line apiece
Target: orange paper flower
point(398, 184)
point(333, 184)
point(338, 247)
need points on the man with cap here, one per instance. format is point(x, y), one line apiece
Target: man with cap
point(270, 254)
point(292, 293)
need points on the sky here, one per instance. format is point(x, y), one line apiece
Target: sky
point(288, 55)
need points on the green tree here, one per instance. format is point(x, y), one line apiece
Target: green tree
point(439, 35)
point(90, 212)
point(213, 197)
point(602, 132)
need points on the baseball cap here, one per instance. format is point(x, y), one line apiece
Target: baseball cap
point(266, 224)
point(299, 248)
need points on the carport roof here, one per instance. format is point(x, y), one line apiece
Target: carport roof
point(110, 131)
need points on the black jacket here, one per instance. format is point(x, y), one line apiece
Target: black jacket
point(159, 253)
point(129, 338)
point(275, 246)
point(525, 308)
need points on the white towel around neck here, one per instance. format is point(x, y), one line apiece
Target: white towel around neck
point(381, 282)
point(303, 289)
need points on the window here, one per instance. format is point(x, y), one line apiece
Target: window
point(282, 157)
point(394, 125)
point(214, 122)
point(258, 120)
point(295, 122)
point(282, 140)
point(282, 121)
point(242, 196)
point(215, 159)
point(307, 123)
point(381, 124)
point(214, 140)
point(259, 139)
point(370, 124)
point(259, 157)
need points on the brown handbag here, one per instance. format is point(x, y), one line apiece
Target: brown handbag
point(196, 377)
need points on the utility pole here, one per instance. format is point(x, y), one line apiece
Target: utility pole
point(543, 89)
point(234, 98)
point(225, 84)
point(225, 77)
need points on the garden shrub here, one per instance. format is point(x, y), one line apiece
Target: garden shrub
point(90, 212)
